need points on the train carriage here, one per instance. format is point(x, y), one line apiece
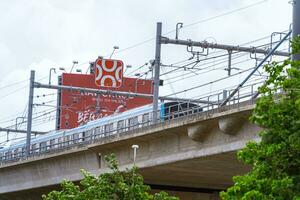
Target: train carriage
point(117, 123)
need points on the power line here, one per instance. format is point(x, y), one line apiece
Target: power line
point(180, 78)
point(50, 111)
point(144, 65)
point(216, 52)
point(17, 90)
point(188, 25)
point(217, 80)
point(192, 24)
point(12, 84)
point(213, 65)
point(6, 95)
point(220, 15)
point(45, 95)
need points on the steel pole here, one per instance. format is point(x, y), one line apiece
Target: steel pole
point(296, 24)
point(95, 91)
point(156, 70)
point(229, 62)
point(205, 45)
point(29, 115)
point(111, 92)
point(58, 105)
point(21, 131)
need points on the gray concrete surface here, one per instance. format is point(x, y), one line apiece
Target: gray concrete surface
point(167, 156)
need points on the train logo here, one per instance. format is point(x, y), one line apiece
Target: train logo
point(108, 73)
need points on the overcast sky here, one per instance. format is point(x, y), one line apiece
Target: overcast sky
point(41, 34)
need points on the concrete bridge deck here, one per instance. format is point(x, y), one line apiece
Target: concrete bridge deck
point(195, 155)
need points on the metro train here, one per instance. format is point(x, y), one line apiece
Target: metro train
point(97, 129)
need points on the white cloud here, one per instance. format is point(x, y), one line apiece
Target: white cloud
point(43, 34)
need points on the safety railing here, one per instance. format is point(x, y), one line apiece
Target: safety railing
point(101, 133)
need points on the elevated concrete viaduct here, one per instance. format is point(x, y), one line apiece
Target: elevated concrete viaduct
point(193, 156)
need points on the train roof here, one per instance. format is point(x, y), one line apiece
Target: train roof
point(98, 122)
point(111, 118)
point(20, 143)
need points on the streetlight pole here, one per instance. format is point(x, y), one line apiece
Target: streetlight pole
point(134, 147)
point(115, 48)
point(52, 69)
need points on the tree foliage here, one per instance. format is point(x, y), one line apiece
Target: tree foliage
point(275, 159)
point(128, 185)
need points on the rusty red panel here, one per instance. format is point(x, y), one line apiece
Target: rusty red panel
point(78, 108)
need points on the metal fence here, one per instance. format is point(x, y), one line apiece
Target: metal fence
point(178, 111)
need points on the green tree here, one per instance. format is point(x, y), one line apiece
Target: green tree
point(127, 185)
point(275, 159)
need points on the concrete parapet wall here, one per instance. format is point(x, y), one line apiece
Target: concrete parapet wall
point(164, 145)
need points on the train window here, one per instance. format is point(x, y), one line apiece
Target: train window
point(133, 123)
point(1, 156)
point(60, 142)
point(23, 151)
point(146, 119)
point(120, 126)
point(34, 148)
point(43, 146)
point(67, 140)
point(108, 128)
point(75, 138)
point(52, 142)
point(88, 134)
point(8, 155)
point(16, 153)
point(98, 131)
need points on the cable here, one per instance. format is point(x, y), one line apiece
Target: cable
point(218, 57)
point(188, 25)
point(12, 84)
point(6, 95)
point(218, 16)
point(226, 88)
point(192, 24)
point(51, 110)
point(180, 76)
point(135, 45)
point(249, 42)
point(217, 80)
point(45, 95)
point(144, 65)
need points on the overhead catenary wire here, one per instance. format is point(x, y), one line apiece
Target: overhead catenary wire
point(204, 95)
point(186, 26)
point(220, 15)
point(208, 58)
point(194, 23)
point(212, 18)
point(36, 117)
point(180, 78)
point(10, 93)
point(13, 84)
point(214, 81)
